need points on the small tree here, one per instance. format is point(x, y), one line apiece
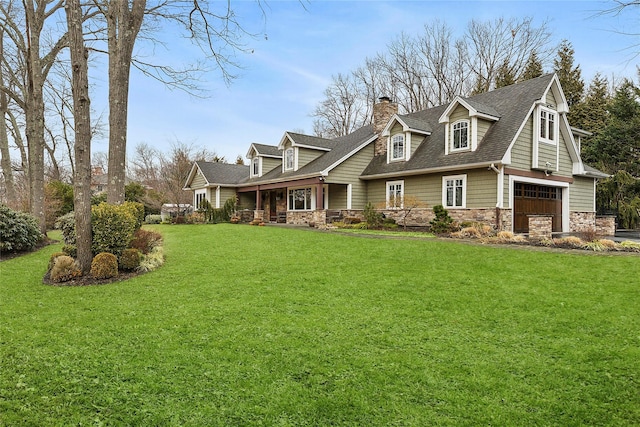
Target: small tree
point(404, 205)
point(372, 216)
point(442, 223)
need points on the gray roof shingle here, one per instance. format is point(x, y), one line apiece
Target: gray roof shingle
point(223, 173)
point(511, 103)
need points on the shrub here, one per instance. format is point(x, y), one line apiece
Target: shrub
point(113, 227)
point(19, 231)
point(352, 220)
point(137, 210)
point(66, 224)
point(145, 240)
point(609, 244)
point(104, 266)
point(153, 219)
point(64, 269)
point(180, 219)
point(152, 260)
point(442, 223)
point(389, 222)
point(372, 217)
point(130, 259)
point(629, 245)
point(52, 259)
point(70, 250)
point(588, 234)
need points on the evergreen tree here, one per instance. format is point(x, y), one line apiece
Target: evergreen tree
point(570, 76)
point(505, 76)
point(592, 115)
point(617, 147)
point(533, 68)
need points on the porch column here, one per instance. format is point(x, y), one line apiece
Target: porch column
point(319, 196)
point(258, 201)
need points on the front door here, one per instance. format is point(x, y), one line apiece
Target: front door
point(273, 215)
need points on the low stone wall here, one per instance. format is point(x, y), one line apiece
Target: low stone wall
point(605, 225)
point(259, 214)
point(299, 218)
point(506, 220)
point(245, 216)
point(540, 226)
point(582, 221)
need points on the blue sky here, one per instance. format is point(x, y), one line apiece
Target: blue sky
point(284, 78)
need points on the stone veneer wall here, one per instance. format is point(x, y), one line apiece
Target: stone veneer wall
point(540, 226)
point(300, 217)
point(245, 215)
point(582, 221)
point(605, 225)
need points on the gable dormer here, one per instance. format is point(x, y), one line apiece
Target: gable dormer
point(551, 132)
point(299, 150)
point(466, 122)
point(262, 159)
point(403, 134)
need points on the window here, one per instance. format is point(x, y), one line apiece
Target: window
point(460, 135)
point(300, 199)
point(397, 147)
point(255, 167)
point(200, 196)
point(547, 126)
point(395, 194)
point(454, 191)
point(288, 159)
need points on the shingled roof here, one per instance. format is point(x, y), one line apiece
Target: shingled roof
point(511, 103)
point(223, 173)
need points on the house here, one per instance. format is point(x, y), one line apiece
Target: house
point(501, 157)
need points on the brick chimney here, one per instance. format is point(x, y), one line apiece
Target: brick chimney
point(382, 113)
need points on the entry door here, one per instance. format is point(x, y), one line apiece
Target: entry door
point(532, 199)
point(273, 215)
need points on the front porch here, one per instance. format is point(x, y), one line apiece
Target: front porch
point(297, 202)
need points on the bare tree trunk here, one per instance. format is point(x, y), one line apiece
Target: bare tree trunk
point(123, 25)
point(37, 69)
point(5, 156)
point(82, 123)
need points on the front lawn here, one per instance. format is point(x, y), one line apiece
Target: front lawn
point(275, 326)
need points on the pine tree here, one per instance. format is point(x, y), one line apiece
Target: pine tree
point(505, 76)
point(617, 147)
point(592, 115)
point(570, 76)
point(533, 68)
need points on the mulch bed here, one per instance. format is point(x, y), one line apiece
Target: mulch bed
point(89, 280)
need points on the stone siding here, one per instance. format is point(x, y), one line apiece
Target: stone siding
point(245, 215)
point(605, 225)
point(540, 226)
point(582, 221)
point(299, 217)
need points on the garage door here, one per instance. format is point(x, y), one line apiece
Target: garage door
point(531, 199)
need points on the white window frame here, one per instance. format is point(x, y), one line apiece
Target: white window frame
point(289, 152)
point(546, 127)
point(255, 166)
point(395, 184)
point(445, 187)
point(400, 139)
point(312, 199)
point(198, 197)
point(453, 135)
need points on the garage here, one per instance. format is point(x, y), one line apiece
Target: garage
point(533, 199)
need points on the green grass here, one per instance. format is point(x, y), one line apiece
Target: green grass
point(272, 326)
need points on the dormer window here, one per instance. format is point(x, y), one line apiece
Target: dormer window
point(397, 147)
point(547, 126)
point(460, 135)
point(288, 159)
point(255, 167)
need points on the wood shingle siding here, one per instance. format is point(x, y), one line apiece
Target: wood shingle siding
point(306, 156)
point(521, 150)
point(198, 181)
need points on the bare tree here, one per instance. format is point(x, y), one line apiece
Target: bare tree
point(342, 110)
point(491, 44)
point(82, 122)
point(5, 155)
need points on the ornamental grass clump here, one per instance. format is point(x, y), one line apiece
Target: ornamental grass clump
point(64, 269)
point(104, 266)
point(152, 260)
point(52, 259)
point(145, 240)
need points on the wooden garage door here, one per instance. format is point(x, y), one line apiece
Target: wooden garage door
point(531, 199)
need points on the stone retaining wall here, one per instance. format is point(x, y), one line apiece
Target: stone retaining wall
point(540, 226)
point(605, 225)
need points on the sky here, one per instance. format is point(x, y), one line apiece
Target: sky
point(300, 45)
